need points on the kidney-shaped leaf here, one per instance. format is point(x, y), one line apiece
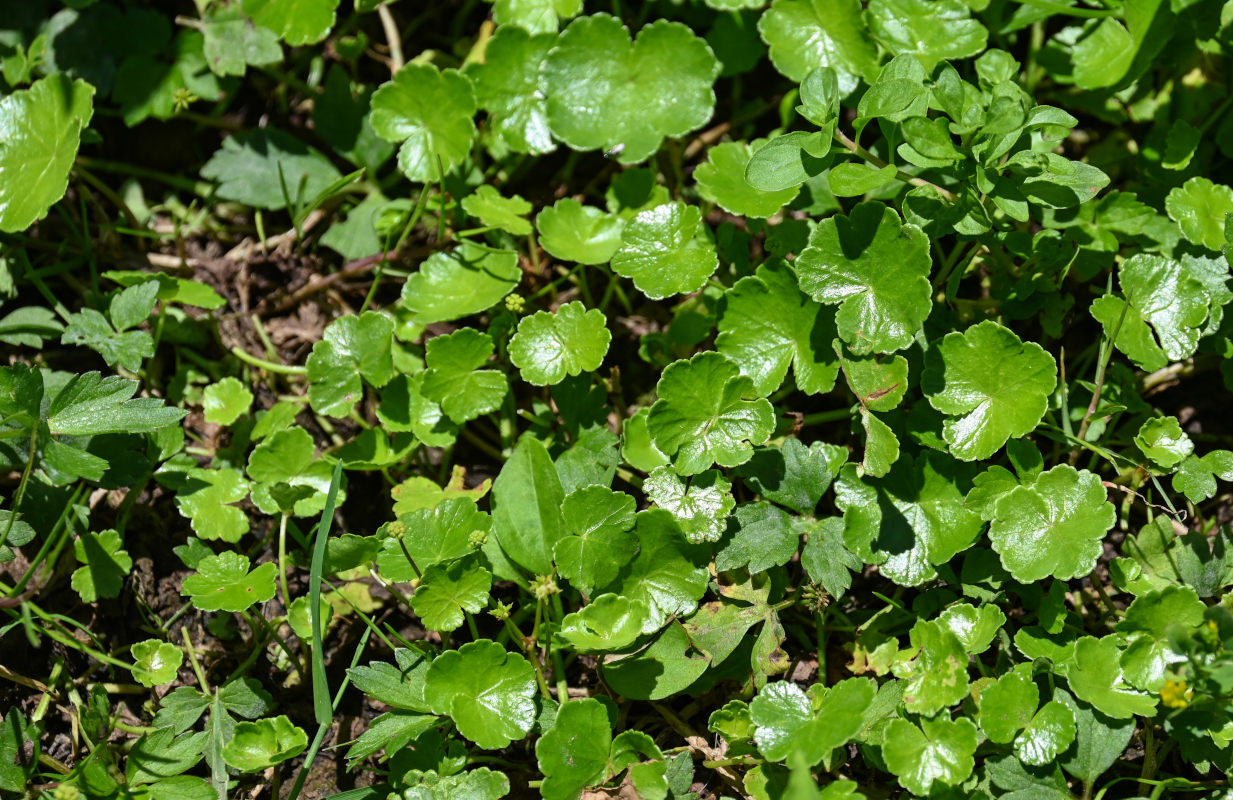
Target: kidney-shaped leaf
point(487, 691)
point(662, 253)
point(430, 112)
point(548, 347)
point(264, 743)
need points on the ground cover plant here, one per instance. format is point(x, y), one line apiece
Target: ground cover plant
point(803, 399)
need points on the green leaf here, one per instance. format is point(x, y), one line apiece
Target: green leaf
point(226, 401)
point(1047, 736)
point(400, 686)
point(91, 329)
point(445, 592)
point(1196, 477)
point(1095, 676)
point(163, 755)
point(430, 112)
point(454, 378)
point(224, 583)
point(536, 16)
point(788, 160)
point(705, 414)
point(878, 383)
point(550, 346)
point(574, 754)
point(668, 575)
point(405, 408)
point(881, 446)
point(852, 179)
point(42, 126)
point(601, 541)
point(668, 665)
point(527, 499)
point(937, 677)
point(570, 231)
point(791, 725)
point(352, 348)
point(910, 521)
point(1007, 706)
point(507, 87)
point(156, 662)
point(806, 34)
point(233, 42)
point(1146, 624)
point(288, 457)
point(608, 623)
point(792, 475)
point(435, 535)
point(721, 179)
point(700, 503)
point(598, 83)
point(254, 167)
point(207, 499)
point(487, 691)
point(940, 751)
point(932, 31)
point(1162, 315)
point(491, 209)
point(762, 536)
point(29, 326)
point(766, 324)
point(662, 253)
point(876, 269)
point(974, 627)
point(106, 564)
point(1053, 527)
point(466, 281)
point(1199, 208)
point(258, 745)
point(296, 22)
point(1099, 740)
point(824, 556)
point(992, 385)
point(1162, 440)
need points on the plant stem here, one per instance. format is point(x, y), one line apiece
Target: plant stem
point(192, 659)
point(856, 149)
point(392, 38)
point(282, 562)
point(268, 366)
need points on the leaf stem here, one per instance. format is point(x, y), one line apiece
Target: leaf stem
point(268, 366)
point(392, 37)
point(856, 149)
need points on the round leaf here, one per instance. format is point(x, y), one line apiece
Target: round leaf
point(258, 745)
point(574, 754)
point(548, 347)
point(1199, 208)
point(487, 691)
point(507, 86)
point(453, 285)
point(662, 253)
point(940, 751)
point(223, 583)
point(571, 231)
point(430, 112)
point(804, 35)
point(722, 180)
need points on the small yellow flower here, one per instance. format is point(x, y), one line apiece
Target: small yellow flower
point(1174, 694)
point(515, 303)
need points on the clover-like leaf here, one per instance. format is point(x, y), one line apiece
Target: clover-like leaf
point(1161, 317)
point(454, 378)
point(1095, 676)
point(910, 521)
point(288, 457)
point(930, 30)
point(507, 86)
point(496, 211)
point(937, 677)
point(606, 624)
point(429, 112)
point(721, 179)
point(662, 253)
point(1199, 207)
point(352, 348)
point(574, 754)
point(877, 269)
point(1146, 624)
point(601, 541)
point(446, 591)
point(974, 627)
point(469, 280)
point(573, 232)
point(1163, 441)
point(233, 42)
point(255, 746)
point(701, 503)
point(106, 563)
point(1007, 706)
point(548, 346)
point(156, 663)
point(269, 169)
point(224, 583)
point(706, 414)
point(804, 35)
point(1047, 736)
point(1052, 527)
point(789, 726)
point(42, 126)
point(940, 751)
point(668, 575)
point(992, 385)
point(598, 84)
point(766, 324)
point(207, 499)
point(1196, 476)
point(224, 402)
point(486, 690)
